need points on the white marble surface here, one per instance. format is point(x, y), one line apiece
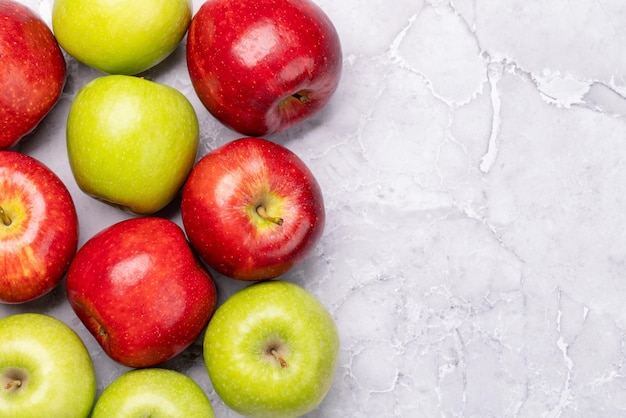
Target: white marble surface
point(473, 162)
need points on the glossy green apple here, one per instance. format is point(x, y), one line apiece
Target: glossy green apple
point(131, 142)
point(45, 369)
point(153, 392)
point(271, 350)
point(120, 37)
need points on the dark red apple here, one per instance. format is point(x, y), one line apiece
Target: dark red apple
point(32, 71)
point(262, 66)
point(38, 228)
point(252, 209)
point(140, 290)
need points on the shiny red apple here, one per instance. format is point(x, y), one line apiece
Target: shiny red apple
point(32, 71)
point(38, 228)
point(252, 209)
point(140, 290)
point(262, 66)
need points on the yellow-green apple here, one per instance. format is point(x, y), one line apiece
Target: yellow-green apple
point(271, 350)
point(120, 37)
point(252, 209)
point(153, 392)
point(141, 292)
point(38, 228)
point(45, 369)
point(131, 142)
point(262, 66)
point(32, 71)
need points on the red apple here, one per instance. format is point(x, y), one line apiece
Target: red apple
point(140, 290)
point(38, 228)
point(252, 209)
point(32, 71)
point(262, 66)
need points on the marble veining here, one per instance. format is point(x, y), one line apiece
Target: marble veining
point(472, 163)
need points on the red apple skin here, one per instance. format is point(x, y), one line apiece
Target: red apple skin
point(219, 202)
point(33, 71)
point(41, 237)
point(140, 290)
point(247, 59)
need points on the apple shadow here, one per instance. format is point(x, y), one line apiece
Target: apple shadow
point(171, 211)
point(170, 65)
point(302, 129)
point(188, 359)
point(44, 304)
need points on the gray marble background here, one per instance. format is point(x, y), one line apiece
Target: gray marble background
point(473, 163)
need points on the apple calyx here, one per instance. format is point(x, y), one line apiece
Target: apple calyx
point(283, 363)
point(102, 332)
point(262, 212)
point(4, 217)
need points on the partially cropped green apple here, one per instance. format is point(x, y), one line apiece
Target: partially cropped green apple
point(271, 350)
point(45, 369)
point(153, 392)
point(131, 142)
point(120, 37)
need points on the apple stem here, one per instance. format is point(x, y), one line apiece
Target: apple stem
point(4, 217)
point(13, 384)
point(260, 210)
point(278, 357)
point(301, 97)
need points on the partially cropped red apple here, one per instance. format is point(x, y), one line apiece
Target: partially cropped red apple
point(262, 66)
point(140, 290)
point(252, 209)
point(38, 228)
point(32, 71)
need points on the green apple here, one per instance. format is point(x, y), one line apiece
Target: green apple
point(45, 369)
point(120, 37)
point(153, 392)
point(131, 142)
point(271, 350)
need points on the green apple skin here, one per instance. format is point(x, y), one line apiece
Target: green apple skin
point(131, 142)
point(51, 362)
point(271, 316)
point(155, 393)
point(120, 37)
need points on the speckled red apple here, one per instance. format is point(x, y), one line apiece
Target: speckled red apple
point(252, 209)
point(38, 228)
point(262, 66)
point(32, 71)
point(141, 292)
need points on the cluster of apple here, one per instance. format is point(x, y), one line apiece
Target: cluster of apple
point(251, 209)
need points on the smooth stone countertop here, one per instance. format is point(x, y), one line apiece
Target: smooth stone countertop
point(473, 162)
